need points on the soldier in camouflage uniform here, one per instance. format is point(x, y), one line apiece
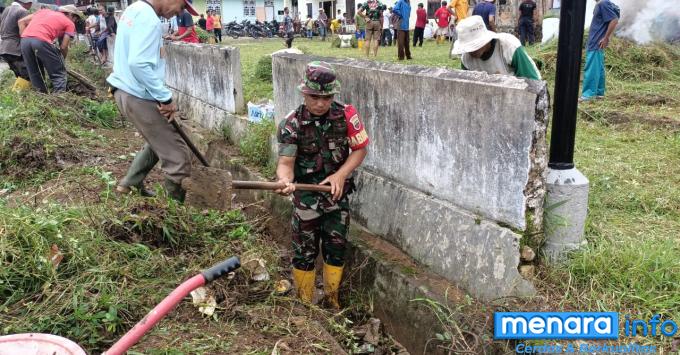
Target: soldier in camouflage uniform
point(321, 142)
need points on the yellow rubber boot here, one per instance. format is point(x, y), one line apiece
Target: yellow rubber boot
point(304, 283)
point(361, 43)
point(331, 283)
point(21, 84)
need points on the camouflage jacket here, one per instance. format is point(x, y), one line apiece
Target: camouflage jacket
point(321, 145)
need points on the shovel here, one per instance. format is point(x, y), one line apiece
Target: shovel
point(211, 187)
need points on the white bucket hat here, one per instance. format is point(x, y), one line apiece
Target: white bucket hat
point(71, 9)
point(472, 35)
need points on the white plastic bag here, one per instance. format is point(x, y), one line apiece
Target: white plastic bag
point(261, 111)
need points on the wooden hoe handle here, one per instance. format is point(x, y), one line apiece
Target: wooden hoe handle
point(262, 185)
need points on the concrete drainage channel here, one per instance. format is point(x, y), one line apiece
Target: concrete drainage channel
point(419, 309)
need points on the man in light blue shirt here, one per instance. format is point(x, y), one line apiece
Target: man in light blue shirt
point(137, 83)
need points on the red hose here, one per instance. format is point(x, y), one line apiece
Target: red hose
point(137, 332)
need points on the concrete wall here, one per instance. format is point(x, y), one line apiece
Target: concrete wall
point(205, 76)
point(456, 166)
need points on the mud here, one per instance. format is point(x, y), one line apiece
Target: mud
point(22, 158)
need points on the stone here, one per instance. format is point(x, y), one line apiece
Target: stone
point(527, 271)
point(527, 254)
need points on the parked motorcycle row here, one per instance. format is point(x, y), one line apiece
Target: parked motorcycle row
point(258, 29)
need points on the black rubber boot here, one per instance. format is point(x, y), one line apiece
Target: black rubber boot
point(175, 190)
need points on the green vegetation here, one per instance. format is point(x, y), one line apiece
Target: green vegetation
point(256, 145)
point(112, 258)
point(256, 88)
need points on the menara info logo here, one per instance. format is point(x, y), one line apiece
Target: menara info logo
point(576, 325)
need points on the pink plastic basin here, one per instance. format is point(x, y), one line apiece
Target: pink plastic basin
point(38, 344)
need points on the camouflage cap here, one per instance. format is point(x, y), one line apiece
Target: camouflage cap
point(319, 80)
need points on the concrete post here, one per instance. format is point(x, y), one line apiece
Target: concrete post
point(566, 207)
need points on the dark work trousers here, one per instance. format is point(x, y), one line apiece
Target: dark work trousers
point(16, 65)
point(418, 36)
point(36, 52)
point(386, 39)
point(289, 39)
point(526, 30)
point(403, 48)
point(218, 34)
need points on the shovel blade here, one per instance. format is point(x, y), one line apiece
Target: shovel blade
point(208, 188)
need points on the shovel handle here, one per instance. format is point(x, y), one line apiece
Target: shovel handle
point(263, 185)
point(189, 143)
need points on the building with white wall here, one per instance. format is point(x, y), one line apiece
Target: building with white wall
point(239, 10)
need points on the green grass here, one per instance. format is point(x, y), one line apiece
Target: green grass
point(104, 282)
point(255, 88)
point(627, 145)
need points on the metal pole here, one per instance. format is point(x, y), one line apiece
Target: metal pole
point(567, 75)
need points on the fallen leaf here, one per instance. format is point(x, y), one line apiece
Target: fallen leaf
point(55, 256)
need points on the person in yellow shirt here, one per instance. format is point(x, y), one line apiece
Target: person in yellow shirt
point(459, 9)
point(217, 26)
point(335, 26)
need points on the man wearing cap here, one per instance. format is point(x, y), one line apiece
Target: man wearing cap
point(491, 52)
point(10, 49)
point(38, 32)
point(314, 148)
point(137, 83)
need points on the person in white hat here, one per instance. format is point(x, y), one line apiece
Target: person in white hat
point(491, 52)
point(10, 50)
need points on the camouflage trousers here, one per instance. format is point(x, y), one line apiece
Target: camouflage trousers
point(319, 220)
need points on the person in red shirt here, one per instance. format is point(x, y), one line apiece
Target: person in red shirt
point(421, 21)
point(38, 32)
point(210, 22)
point(443, 16)
point(186, 31)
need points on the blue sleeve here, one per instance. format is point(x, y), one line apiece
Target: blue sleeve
point(143, 57)
point(187, 19)
point(492, 11)
point(608, 12)
point(397, 9)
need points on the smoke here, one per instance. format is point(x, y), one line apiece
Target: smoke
point(647, 21)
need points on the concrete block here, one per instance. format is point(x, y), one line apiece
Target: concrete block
point(468, 138)
point(478, 255)
point(566, 207)
point(210, 74)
